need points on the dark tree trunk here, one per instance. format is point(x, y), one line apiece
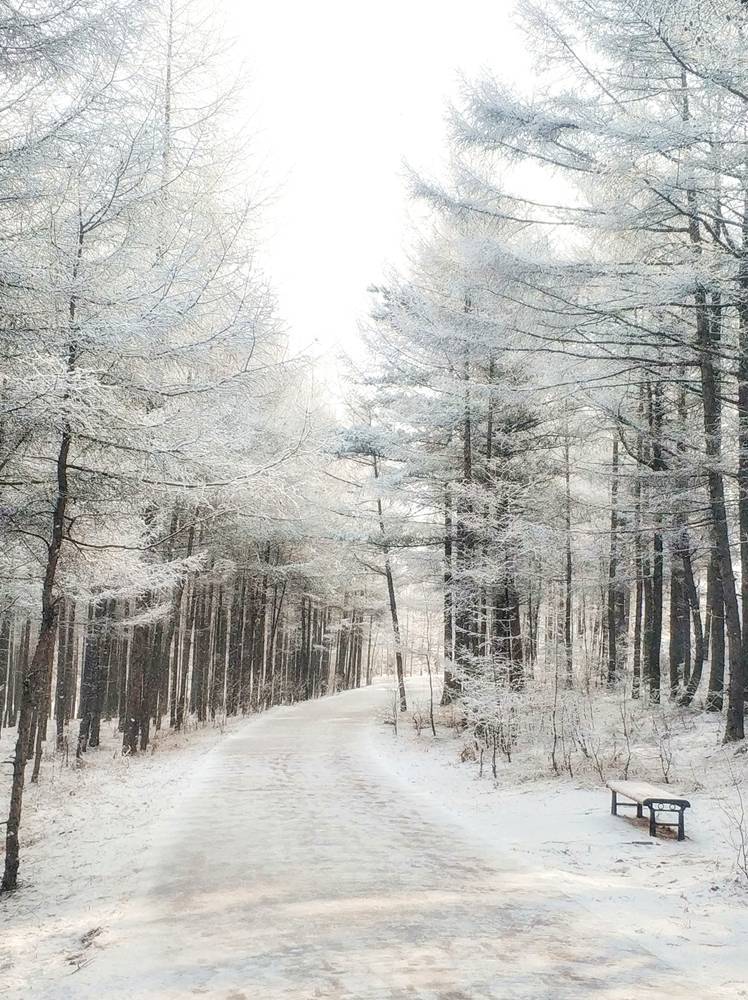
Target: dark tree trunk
point(6, 662)
point(124, 651)
point(718, 511)
point(218, 671)
point(236, 641)
point(139, 650)
point(738, 679)
point(715, 695)
point(612, 592)
point(654, 644)
point(451, 685)
point(708, 334)
point(103, 660)
point(88, 678)
point(39, 666)
point(202, 654)
point(151, 667)
point(676, 653)
point(568, 622)
point(639, 571)
point(64, 636)
point(186, 651)
point(399, 667)
point(692, 602)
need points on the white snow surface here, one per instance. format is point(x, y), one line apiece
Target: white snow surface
point(309, 853)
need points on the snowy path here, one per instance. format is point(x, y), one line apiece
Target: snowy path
point(300, 867)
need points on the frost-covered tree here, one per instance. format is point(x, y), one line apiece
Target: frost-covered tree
point(460, 421)
point(155, 434)
point(596, 234)
point(641, 124)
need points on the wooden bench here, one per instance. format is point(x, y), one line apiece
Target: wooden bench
point(645, 796)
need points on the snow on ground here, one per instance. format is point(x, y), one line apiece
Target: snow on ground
point(86, 833)
point(309, 853)
point(685, 902)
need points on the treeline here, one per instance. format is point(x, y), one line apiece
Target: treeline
point(242, 639)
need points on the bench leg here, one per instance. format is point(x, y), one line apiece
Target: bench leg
point(613, 804)
point(639, 811)
point(652, 823)
point(681, 825)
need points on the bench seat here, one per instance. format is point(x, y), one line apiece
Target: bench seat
point(655, 798)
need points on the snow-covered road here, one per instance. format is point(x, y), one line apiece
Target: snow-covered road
point(299, 866)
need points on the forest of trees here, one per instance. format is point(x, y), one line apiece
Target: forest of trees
point(163, 555)
point(548, 450)
point(562, 373)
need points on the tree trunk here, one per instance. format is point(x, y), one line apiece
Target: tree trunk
point(676, 652)
point(451, 687)
point(612, 602)
point(40, 662)
point(6, 661)
point(718, 511)
point(692, 600)
point(392, 600)
point(88, 678)
point(654, 644)
point(568, 624)
point(715, 695)
point(708, 334)
point(738, 679)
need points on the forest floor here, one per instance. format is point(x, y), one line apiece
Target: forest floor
point(311, 853)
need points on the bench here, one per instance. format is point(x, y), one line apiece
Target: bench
point(645, 796)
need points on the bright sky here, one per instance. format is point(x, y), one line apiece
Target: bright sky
point(345, 93)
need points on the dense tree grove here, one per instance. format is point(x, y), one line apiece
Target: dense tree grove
point(562, 376)
point(373, 633)
point(162, 554)
point(548, 449)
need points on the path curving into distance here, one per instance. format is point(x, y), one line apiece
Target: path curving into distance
point(299, 868)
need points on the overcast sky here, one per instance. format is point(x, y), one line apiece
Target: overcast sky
point(345, 92)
